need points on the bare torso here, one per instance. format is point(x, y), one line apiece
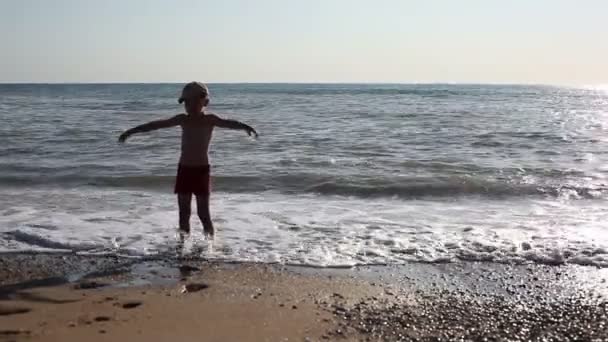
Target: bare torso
point(196, 136)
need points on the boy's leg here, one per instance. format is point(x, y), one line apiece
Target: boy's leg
point(184, 203)
point(202, 206)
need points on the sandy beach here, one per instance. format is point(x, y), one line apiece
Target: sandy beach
point(53, 297)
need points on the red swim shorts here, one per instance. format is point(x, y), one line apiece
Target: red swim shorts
point(193, 180)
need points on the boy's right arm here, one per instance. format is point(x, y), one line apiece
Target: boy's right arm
point(152, 125)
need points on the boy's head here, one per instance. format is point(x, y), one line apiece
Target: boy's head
point(195, 97)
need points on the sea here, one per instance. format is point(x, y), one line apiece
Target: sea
point(341, 174)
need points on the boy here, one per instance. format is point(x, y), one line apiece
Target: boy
point(193, 168)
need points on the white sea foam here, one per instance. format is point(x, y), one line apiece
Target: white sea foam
point(309, 230)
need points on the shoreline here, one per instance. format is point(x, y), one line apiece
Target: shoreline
point(59, 297)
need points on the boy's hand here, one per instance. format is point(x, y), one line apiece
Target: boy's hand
point(123, 137)
point(251, 131)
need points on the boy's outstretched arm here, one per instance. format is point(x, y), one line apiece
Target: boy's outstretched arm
point(233, 124)
point(151, 126)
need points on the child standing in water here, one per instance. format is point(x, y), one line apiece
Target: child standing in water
point(193, 171)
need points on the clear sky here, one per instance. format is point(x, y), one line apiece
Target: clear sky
point(497, 41)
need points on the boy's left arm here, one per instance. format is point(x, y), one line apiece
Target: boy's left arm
point(232, 124)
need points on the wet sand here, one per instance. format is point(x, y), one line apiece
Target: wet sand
point(51, 297)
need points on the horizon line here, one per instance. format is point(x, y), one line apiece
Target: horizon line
point(308, 82)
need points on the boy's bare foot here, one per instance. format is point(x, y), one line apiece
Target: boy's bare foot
point(182, 235)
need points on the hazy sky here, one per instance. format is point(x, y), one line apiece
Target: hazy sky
point(515, 41)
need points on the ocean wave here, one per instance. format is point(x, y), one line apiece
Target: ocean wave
point(471, 252)
point(34, 240)
point(361, 187)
